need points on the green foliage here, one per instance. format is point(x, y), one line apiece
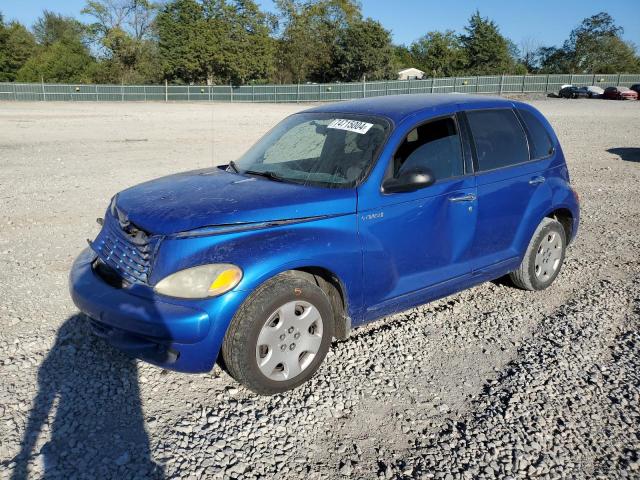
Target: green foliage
point(216, 41)
point(402, 57)
point(62, 62)
point(52, 27)
point(247, 50)
point(439, 54)
point(487, 51)
point(610, 55)
point(310, 32)
point(594, 46)
point(17, 46)
point(364, 50)
point(61, 54)
point(185, 41)
point(122, 31)
point(234, 41)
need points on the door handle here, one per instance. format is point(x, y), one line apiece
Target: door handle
point(537, 180)
point(469, 197)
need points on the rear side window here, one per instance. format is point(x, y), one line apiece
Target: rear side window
point(541, 145)
point(499, 138)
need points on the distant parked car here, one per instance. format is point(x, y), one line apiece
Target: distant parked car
point(594, 91)
point(619, 93)
point(573, 92)
point(636, 88)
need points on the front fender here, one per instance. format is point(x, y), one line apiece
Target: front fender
point(328, 243)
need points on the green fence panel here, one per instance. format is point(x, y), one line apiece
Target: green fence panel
point(629, 79)
point(535, 84)
point(309, 92)
point(155, 92)
point(443, 85)
point(607, 80)
point(557, 81)
point(7, 91)
point(489, 84)
point(582, 80)
point(466, 84)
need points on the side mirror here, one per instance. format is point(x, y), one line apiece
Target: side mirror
point(409, 181)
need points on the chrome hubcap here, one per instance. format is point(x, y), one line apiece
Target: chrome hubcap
point(289, 340)
point(548, 256)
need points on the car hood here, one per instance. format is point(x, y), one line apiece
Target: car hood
point(211, 197)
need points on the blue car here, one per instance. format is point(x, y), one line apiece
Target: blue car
point(340, 215)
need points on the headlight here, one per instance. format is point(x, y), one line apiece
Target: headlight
point(200, 282)
point(112, 207)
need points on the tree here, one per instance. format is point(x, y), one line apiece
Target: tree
point(439, 54)
point(185, 41)
point(52, 27)
point(135, 17)
point(553, 60)
point(248, 49)
point(17, 45)
point(310, 33)
point(61, 54)
point(122, 32)
point(218, 41)
point(402, 57)
point(486, 49)
point(364, 50)
point(529, 48)
point(594, 46)
point(62, 62)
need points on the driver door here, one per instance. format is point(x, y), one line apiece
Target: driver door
point(416, 244)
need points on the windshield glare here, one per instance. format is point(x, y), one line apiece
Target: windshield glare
point(332, 150)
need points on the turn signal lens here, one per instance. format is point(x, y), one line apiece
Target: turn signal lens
point(200, 282)
point(225, 281)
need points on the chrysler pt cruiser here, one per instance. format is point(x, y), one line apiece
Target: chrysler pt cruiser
point(340, 215)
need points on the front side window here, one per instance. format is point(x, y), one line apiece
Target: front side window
point(541, 145)
point(331, 150)
point(434, 146)
point(499, 138)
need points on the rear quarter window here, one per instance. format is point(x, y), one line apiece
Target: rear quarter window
point(540, 142)
point(499, 138)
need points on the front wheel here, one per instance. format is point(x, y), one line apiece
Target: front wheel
point(280, 335)
point(544, 257)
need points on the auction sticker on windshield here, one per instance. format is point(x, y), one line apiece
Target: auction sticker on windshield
point(350, 125)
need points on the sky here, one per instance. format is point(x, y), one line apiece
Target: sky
point(546, 21)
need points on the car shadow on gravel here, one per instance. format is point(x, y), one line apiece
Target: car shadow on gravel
point(628, 154)
point(87, 412)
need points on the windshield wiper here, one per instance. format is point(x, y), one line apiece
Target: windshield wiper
point(266, 174)
point(233, 165)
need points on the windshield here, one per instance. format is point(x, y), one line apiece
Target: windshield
point(323, 149)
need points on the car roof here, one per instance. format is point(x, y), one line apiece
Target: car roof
point(399, 107)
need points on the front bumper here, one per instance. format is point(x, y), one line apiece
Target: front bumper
point(181, 336)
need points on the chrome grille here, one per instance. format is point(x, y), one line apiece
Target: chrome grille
point(130, 256)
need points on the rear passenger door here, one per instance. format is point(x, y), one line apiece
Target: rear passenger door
point(506, 180)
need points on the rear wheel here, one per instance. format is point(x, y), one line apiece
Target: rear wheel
point(280, 335)
point(544, 257)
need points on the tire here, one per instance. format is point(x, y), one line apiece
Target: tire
point(280, 335)
point(544, 257)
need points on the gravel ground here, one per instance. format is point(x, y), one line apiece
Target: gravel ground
point(492, 382)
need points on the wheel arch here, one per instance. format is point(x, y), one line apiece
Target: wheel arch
point(335, 290)
point(565, 217)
